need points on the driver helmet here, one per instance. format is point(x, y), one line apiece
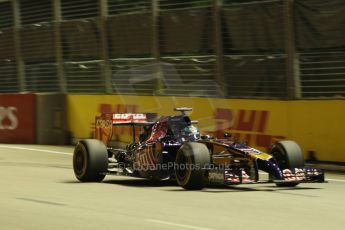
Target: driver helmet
point(191, 132)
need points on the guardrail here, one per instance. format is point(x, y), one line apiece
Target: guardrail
point(57, 119)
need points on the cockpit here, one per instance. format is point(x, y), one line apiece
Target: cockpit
point(181, 127)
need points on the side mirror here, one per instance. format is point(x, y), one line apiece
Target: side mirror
point(205, 137)
point(227, 135)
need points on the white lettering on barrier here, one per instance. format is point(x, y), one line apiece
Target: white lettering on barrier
point(8, 113)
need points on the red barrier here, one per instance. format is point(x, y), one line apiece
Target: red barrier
point(17, 118)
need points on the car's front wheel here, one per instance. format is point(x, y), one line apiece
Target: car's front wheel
point(191, 162)
point(90, 160)
point(288, 155)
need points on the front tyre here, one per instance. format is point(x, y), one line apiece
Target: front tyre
point(90, 160)
point(191, 161)
point(288, 155)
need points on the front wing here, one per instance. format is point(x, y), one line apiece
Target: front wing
point(239, 176)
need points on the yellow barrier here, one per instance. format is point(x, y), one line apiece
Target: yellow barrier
point(316, 125)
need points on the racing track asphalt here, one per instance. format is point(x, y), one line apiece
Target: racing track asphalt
point(39, 191)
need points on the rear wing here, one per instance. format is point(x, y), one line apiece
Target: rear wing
point(135, 119)
point(105, 122)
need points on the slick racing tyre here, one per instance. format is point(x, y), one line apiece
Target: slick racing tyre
point(191, 161)
point(90, 160)
point(288, 155)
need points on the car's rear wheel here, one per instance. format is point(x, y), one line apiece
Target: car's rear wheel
point(191, 162)
point(288, 155)
point(90, 160)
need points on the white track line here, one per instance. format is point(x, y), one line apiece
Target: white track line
point(177, 225)
point(335, 180)
point(36, 150)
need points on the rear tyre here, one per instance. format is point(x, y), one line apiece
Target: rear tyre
point(90, 160)
point(191, 161)
point(288, 155)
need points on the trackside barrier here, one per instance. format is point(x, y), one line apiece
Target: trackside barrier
point(316, 125)
point(17, 118)
point(27, 118)
point(51, 119)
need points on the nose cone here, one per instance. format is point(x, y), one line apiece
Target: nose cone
point(270, 167)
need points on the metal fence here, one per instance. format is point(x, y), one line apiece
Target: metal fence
point(285, 49)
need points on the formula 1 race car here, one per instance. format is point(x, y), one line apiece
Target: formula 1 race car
point(173, 148)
